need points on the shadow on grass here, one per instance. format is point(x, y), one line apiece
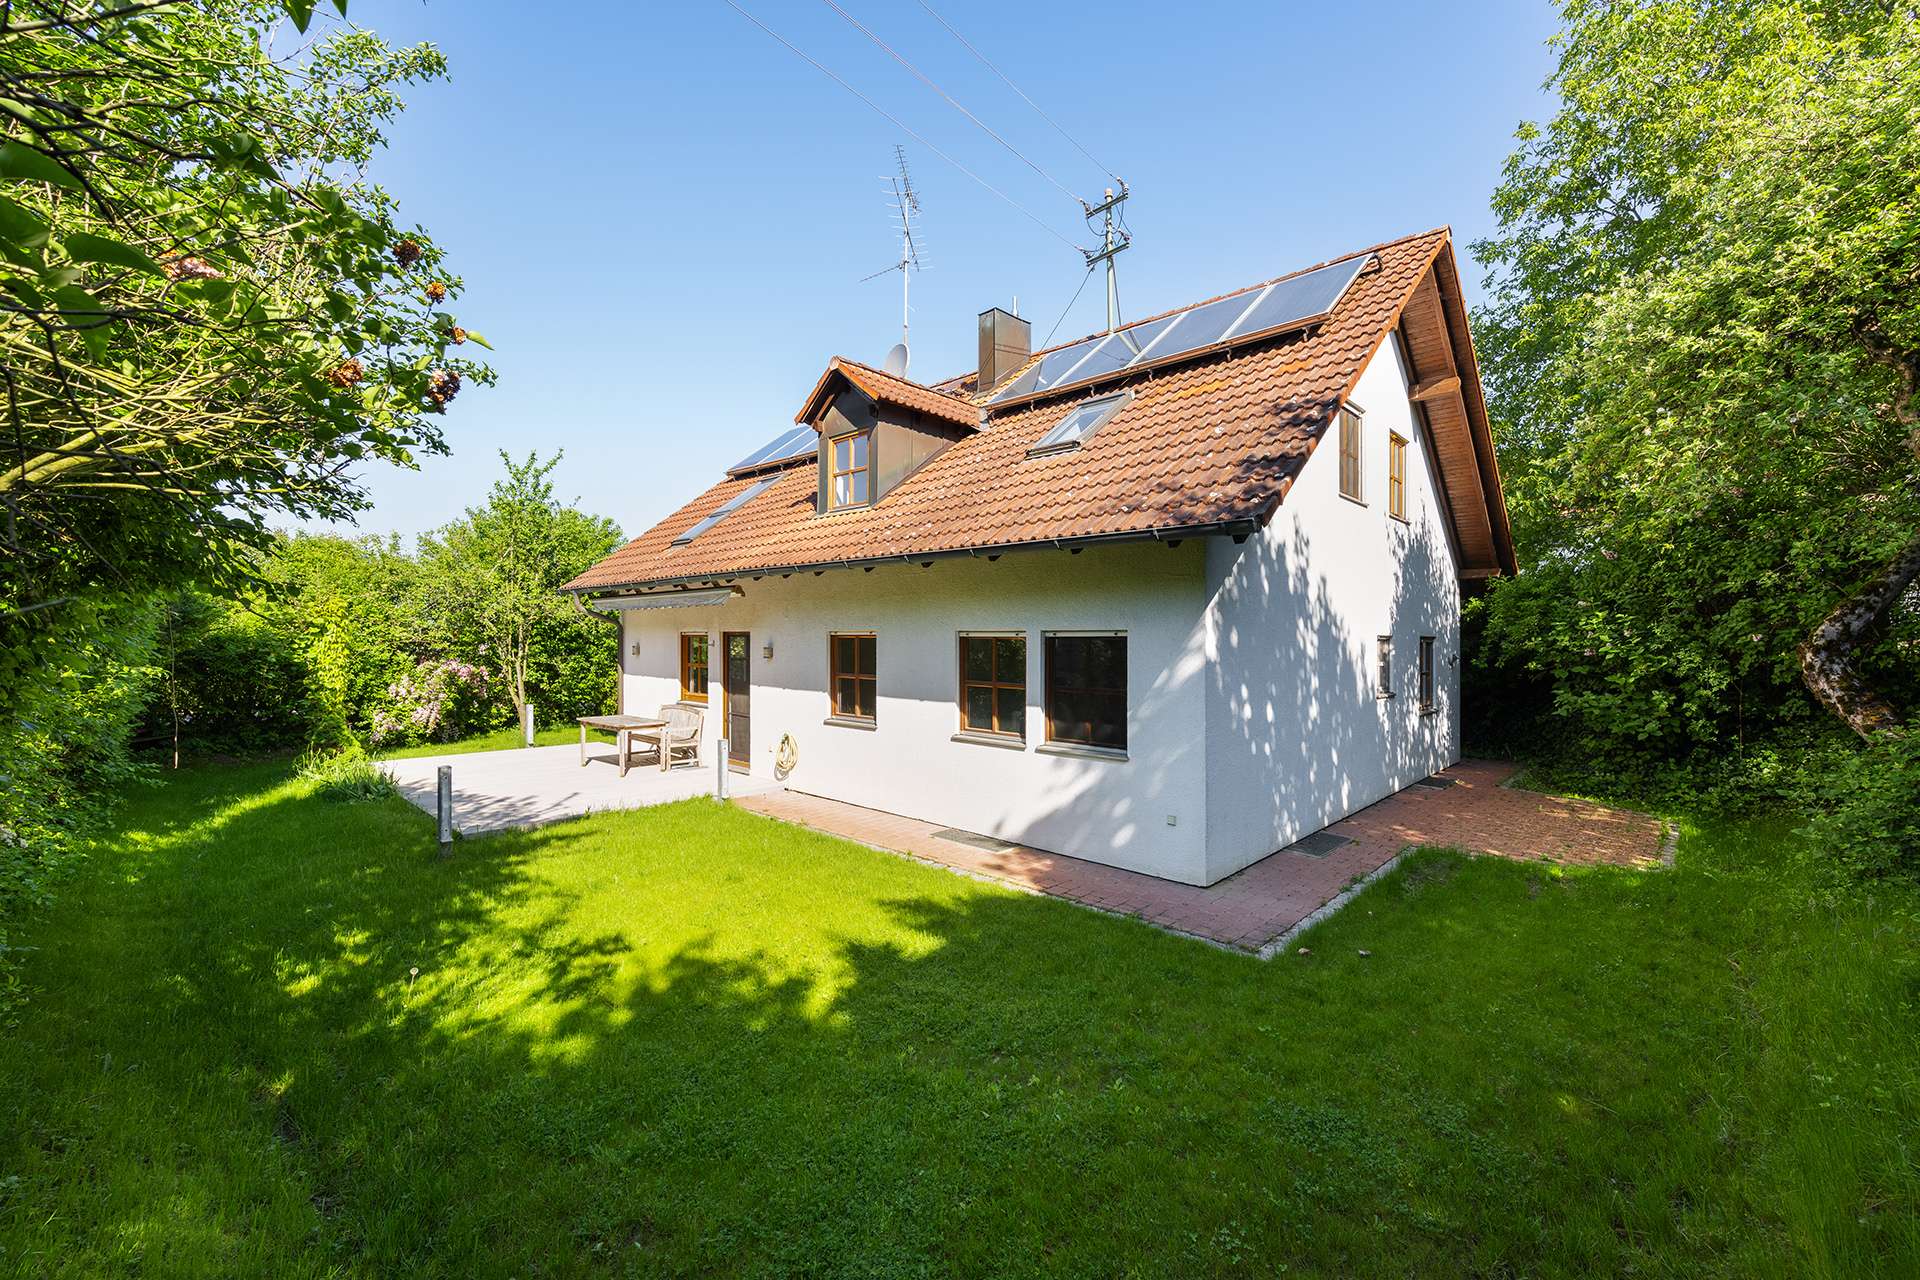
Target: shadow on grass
point(692, 1040)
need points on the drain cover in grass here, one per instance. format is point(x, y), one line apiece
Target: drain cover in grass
point(988, 843)
point(1319, 844)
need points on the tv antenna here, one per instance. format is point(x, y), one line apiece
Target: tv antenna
point(1113, 239)
point(906, 207)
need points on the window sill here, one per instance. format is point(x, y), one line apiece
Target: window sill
point(1358, 502)
point(1428, 711)
point(1382, 697)
point(1401, 519)
point(1005, 741)
point(850, 722)
point(1080, 750)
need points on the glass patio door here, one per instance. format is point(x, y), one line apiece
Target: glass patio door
point(738, 692)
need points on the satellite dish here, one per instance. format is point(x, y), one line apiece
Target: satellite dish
point(896, 361)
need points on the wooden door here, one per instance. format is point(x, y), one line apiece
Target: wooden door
point(737, 690)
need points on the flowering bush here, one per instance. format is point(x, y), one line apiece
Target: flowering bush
point(440, 701)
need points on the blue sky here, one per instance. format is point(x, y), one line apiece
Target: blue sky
point(663, 217)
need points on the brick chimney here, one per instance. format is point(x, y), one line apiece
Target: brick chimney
point(1006, 342)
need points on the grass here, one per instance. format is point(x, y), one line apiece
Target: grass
point(272, 1035)
point(497, 740)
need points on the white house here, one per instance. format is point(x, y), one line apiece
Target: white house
point(1168, 598)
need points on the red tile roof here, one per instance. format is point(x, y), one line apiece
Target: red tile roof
point(1210, 444)
point(887, 388)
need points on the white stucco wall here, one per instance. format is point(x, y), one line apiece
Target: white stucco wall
point(1113, 811)
point(1296, 736)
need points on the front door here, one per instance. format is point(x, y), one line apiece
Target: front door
point(736, 688)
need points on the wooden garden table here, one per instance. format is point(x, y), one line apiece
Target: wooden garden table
point(622, 728)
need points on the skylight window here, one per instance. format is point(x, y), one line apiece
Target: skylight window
point(1080, 423)
point(725, 509)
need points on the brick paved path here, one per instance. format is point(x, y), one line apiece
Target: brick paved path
point(1252, 907)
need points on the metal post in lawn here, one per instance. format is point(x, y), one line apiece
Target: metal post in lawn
point(446, 810)
point(526, 725)
point(720, 771)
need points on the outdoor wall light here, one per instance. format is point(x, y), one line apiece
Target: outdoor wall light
point(766, 650)
point(636, 648)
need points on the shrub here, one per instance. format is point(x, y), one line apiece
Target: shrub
point(344, 777)
point(438, 702)
point(73, 686)
point(228, 681)
point(1867, 811)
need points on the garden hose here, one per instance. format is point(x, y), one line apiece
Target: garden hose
point(787, 756)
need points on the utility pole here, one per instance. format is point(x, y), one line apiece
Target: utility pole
point(1113, 239)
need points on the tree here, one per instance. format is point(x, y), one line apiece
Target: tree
point(1703, 345)
point(208, 313)
point(493, 582)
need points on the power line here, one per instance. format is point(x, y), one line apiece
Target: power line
point(891, 52)
point(1060, 129)
point(1070, 301)
point(902, 125)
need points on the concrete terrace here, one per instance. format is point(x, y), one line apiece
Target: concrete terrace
point(496, 790)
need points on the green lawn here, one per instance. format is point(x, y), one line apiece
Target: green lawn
point(499, 740)
point(693, 1041)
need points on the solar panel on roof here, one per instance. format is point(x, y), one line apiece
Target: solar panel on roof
point(726, 509)
point(788, 444)
point(1054, 368)
point(1279, 306)
point(1204, 326)
point(1118, 350)
point(1301, 298)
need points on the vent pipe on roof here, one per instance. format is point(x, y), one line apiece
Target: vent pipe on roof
point(1006, 343)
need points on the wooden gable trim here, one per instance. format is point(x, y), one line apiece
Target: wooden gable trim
point(1437, 349)
point(1474, 395)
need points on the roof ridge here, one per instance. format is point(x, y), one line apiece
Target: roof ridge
point(875, 369)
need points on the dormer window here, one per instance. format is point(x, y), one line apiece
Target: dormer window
point(849, 479)
point(1080, 423)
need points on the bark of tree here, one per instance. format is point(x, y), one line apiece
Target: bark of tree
point(1827, 657)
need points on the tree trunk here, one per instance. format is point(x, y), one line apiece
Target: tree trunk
point(1827, 657)
point(521, 651)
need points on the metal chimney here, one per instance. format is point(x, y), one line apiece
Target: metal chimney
point(1006, 343)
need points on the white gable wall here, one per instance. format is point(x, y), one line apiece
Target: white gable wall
point(1114, 811)
point(1296, 736)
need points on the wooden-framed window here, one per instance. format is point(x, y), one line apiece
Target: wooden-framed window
point(851, 683)
point(1087, 689)
point(1383, 666)
point(693, 666)
point(1397, 476)
point(1350, 454)
point(993, 684)
point(1426, 673)
point(849, 475)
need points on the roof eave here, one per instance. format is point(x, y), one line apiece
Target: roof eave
point(1237, 527)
